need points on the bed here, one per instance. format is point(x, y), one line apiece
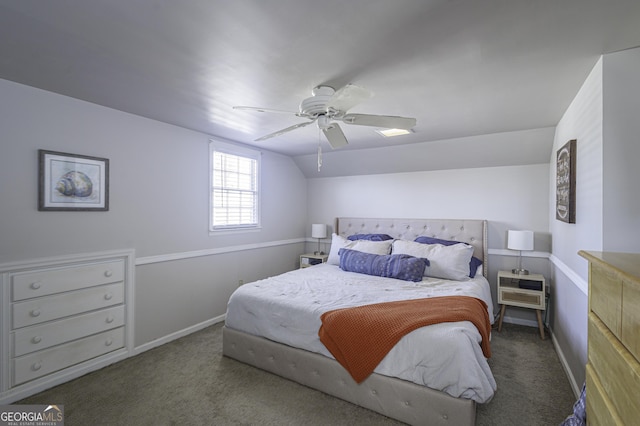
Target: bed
point(273, 324)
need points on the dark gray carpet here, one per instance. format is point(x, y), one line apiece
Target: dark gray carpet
point(189, 382)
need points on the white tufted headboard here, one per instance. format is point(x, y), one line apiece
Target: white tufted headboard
point(473, 232)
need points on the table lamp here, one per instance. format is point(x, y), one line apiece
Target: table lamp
point(520, 240)
point(318, 230)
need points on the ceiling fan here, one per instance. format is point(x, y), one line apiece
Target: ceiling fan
point(327, 106)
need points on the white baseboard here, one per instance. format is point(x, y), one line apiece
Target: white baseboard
point(577, 388)
point(176, 335)
point(31, 388)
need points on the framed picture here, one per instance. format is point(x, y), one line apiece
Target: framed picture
point(566, 182)
point(70, 182)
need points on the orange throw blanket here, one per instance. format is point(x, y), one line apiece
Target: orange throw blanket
point(360, 337)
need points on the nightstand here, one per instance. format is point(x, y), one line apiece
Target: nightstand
point(310, 259)
point(524, 291)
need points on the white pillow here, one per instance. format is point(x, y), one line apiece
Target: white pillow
point(337, 242)
point(373, 247)
point(448, 262)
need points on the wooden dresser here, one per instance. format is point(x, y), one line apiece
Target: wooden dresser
point(613, 367)
point(62, 318)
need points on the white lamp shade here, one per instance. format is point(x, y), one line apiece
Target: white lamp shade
point(520, 240)
point(318, 230)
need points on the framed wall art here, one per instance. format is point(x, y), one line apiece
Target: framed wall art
point(566, 182)
point(70, 182)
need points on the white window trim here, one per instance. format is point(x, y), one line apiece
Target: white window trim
point(228, 148)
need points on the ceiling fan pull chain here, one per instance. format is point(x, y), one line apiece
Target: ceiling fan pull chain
point(319, 152)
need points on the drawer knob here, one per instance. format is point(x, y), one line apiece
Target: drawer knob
point(36, 339)
point(108, 296)
point(108, 273)
point(36, 285)
point(35, 313)
point(108, 342)
point(36, 366)
point(109, 319)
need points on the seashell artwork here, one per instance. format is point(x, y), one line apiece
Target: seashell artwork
point(72, 182)
point(75, 184)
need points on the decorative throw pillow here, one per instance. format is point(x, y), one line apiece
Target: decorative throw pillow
point(370, 237)
point(433, 240)
point(338, 242)
point(399, 266)
point(448, 262)
point(473, 264)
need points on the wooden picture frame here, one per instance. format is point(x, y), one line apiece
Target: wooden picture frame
point(566, 182)
point(71, 182)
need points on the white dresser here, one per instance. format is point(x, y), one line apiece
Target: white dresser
point(63, 317)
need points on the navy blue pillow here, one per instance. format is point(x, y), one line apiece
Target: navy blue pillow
point(473, 264)
point(400, 266)
point(433, 240)
point(370, 237)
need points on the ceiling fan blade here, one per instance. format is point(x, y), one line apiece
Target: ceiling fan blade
point(386, 121)
point(258, 109)
point(335, 136)
point(347, 97)
point(283, 131)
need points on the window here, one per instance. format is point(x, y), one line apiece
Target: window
point(234, 187)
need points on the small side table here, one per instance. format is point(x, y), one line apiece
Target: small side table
point(524, 291)
point(310, 259)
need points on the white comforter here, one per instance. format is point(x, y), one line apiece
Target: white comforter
point(446, 357)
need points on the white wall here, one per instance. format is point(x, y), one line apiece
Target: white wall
point(603, 119)
point(582, 121)
point(509, 197)
point(621, 151)
point(158, 205)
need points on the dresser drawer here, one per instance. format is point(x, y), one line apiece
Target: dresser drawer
point(605, 299)
point(50, 281)
point(616, 369)
point(523, 298)
point(600, 411)
point(41, 363)
point(35, 311)
point(38, 337)
point(631, 317)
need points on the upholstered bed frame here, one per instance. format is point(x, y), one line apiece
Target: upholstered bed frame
point(395, 398)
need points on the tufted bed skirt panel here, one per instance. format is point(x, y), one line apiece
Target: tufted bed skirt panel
point(398, 399)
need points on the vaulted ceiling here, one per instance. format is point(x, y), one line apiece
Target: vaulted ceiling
point(460, 67)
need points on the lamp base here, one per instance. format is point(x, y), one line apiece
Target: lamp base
point(520, 271)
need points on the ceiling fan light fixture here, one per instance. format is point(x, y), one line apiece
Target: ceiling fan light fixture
point(324, 122)
point(389, 133)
